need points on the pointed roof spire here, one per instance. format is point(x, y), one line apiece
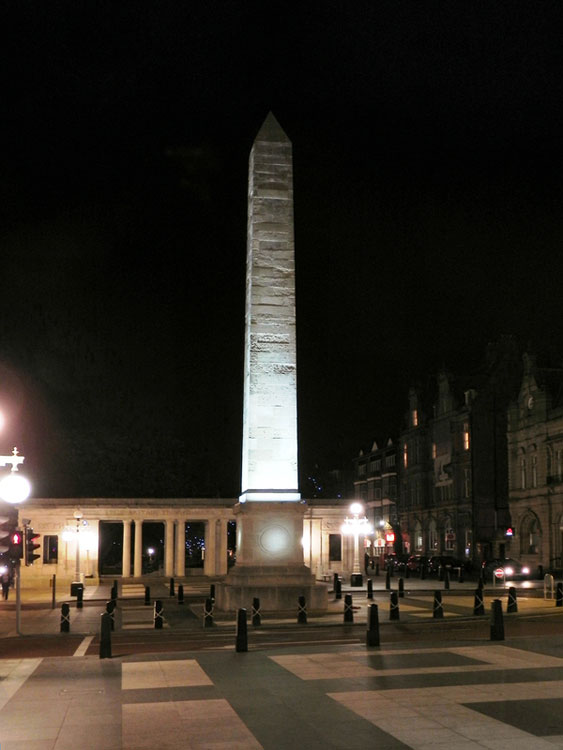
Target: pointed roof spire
point(271, 130)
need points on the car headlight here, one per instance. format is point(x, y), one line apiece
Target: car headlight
point(508, 571)
point(525, 570)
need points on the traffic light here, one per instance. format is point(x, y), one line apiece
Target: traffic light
point(5, 530)
point(31, 544)
point(16, 545)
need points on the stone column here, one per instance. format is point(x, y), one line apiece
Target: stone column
point(126, 565)
point(221, 550)
point(210, 546)
point(168, 548)
point(138, 554)
point(181, 548)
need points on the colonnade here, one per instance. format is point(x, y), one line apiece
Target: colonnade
point(215, 559)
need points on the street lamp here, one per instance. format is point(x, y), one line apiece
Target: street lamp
point(354, 527)
point(15, 489)
point(78, 515)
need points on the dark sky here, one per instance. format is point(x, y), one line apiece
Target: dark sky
point(428, 186)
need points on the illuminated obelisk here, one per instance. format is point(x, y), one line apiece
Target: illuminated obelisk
point(269, 515)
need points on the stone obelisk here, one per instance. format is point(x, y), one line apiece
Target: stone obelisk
point(270, 513)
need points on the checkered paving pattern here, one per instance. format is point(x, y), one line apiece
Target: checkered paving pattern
point(343, 698)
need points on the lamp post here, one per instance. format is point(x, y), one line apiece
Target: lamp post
point(355, 526)
point(15, 489)
point(78, 515)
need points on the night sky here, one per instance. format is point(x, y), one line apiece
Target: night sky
point(427, 142)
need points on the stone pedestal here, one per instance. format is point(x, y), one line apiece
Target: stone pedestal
point(270, 561)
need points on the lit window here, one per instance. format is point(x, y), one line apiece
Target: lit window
point(434, 450)
point(466, 436)
point(414, 418)
point(405, 455)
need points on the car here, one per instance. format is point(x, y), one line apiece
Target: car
point(446, 562)
point(506, 568)
point(396, 563)
point(416, 562)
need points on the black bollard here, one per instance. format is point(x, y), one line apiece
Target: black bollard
point(388, 580)
point(338, 589)
point(256, 616)
point(376, 568)
point(401, 588)
point(423, 571)
point(481, 581)
point(242, 635)
point(212, 591)
point(147, 595)
point(208, 613)
point(172, 593)
point(180, 593)
point(105, 636)
point(370, 588)
point(407, 571)
point(65, 618)
point(478, 603)
point(437, 609)
point(512, 604)
point(441, 573)
point(460, 578)
point(497, 622)
point(372, 633)
point(158, 617)
point(446, 579)
point(559, 595)
point(79, 595)
point(394, 606)
point(335, 579)
point(113, 593)
point(110, 608)
point(348, 611)
point(302, 611)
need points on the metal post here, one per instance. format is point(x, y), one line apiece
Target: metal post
point(242, 635)
point(372, 634)
point(18, 598)
point(54, 592)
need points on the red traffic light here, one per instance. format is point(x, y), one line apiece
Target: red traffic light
point(17, 537)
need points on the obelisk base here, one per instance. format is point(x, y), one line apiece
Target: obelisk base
point(270, 562)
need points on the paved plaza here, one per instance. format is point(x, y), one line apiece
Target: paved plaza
point(484, 695)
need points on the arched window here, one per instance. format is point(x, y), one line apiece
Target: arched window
point(432, 535)
point(523, 472)
point(530, 535)
point(418, 537)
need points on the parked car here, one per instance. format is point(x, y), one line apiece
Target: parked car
point(415, 562)
point(446, 562)
point(396, 563)
point(507, 569)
